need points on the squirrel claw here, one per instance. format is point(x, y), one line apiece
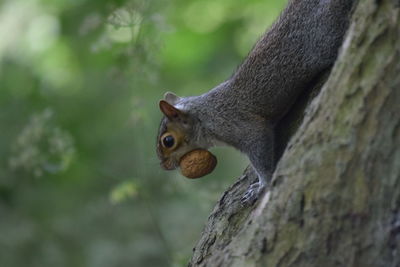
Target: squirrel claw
point(252, 194)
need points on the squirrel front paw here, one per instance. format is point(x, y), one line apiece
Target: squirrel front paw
point(253, 193)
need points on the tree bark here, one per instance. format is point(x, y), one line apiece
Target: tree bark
point(335, 195)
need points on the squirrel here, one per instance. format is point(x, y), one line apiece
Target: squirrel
point(243, 111)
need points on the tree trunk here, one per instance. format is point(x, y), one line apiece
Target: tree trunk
point(335, 195)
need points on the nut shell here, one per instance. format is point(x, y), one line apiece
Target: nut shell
point(197, 163)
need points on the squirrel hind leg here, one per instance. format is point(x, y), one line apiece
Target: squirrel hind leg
point(261, 156)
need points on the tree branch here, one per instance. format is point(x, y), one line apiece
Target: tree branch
point(335, 196)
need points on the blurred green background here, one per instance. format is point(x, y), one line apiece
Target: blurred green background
point(80, 80)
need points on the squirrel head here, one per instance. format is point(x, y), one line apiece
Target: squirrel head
point(176, 135)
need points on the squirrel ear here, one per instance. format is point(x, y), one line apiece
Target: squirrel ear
point(171, 98)
point(169, 110)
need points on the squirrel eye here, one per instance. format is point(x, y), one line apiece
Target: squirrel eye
point(168, 141)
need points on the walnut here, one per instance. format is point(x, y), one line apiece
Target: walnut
point(197, 163)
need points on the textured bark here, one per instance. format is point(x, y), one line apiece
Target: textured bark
point(335, 196)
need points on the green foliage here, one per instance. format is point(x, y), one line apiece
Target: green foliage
point(41, 147)
point(79, 86)
point(123, 191)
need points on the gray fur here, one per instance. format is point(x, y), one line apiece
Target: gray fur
point(243, 110)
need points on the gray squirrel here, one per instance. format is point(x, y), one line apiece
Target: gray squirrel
point(243, 110)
